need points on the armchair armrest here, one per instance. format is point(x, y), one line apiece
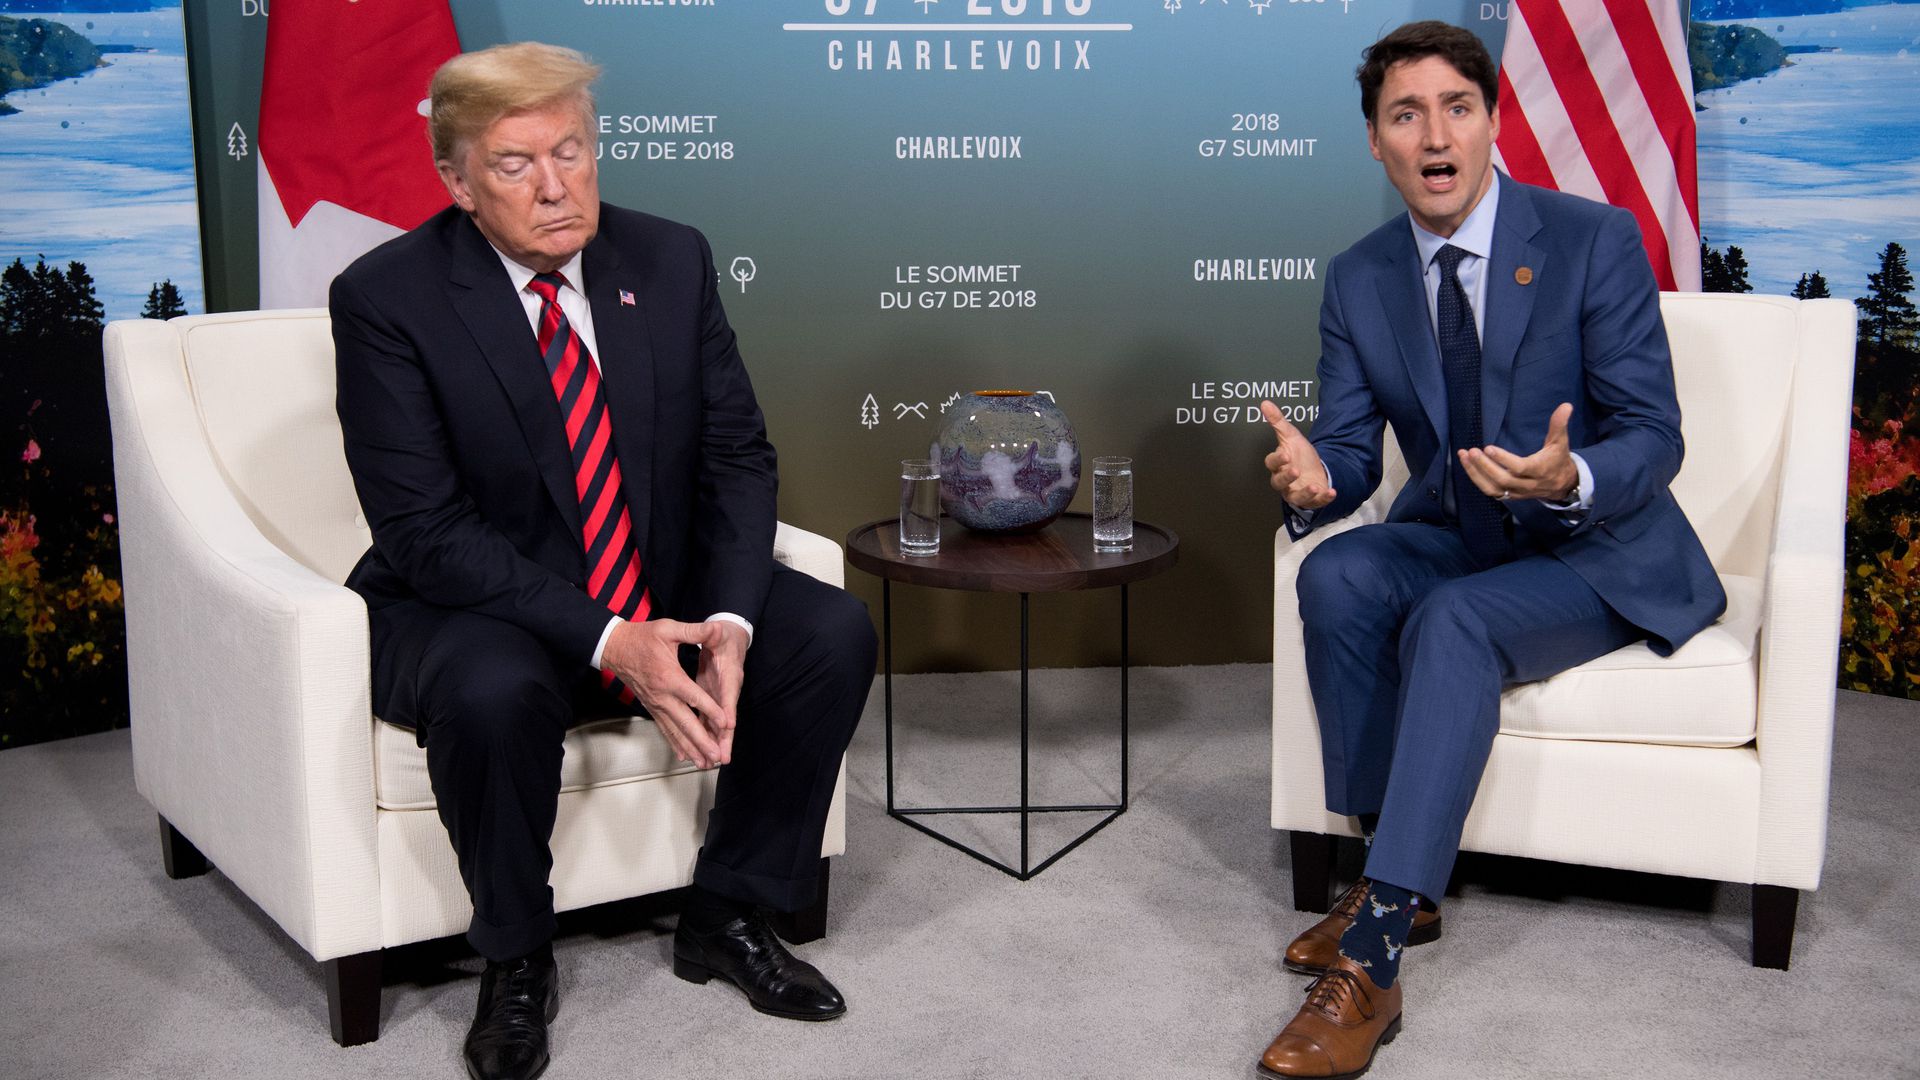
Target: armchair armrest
point(810, 553)
point(1806, 582)
point(248, 672)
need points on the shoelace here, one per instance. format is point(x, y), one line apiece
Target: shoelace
point(514, 1003)
point(1326, 991)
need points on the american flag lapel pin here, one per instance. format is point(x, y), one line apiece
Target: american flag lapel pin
point(626, 298)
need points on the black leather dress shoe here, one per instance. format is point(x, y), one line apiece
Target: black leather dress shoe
point(508, 1040)
point(746, 953)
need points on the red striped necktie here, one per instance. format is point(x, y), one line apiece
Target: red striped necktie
point(605, 527)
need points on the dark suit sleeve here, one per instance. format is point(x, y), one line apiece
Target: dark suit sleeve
point(1628, 371)
point(424, 523)
point(736, 498)
point(1348, 431)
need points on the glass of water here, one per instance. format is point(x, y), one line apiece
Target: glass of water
point(919, 507)
point(1113, 504)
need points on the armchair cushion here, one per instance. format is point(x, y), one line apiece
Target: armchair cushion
point(606, 752)
point(1702, 695)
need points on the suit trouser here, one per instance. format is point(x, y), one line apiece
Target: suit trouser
point(1408, 645)
point(493, 706)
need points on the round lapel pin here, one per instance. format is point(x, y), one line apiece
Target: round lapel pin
point(1523, 276)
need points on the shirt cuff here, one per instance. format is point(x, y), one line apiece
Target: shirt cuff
point(728, 616)
point(604, 635)
point(1582, 500)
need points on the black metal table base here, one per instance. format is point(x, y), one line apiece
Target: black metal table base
point(1027, 869)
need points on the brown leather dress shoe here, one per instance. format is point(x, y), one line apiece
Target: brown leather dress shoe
point(1334, 1035)
point(1313, 952)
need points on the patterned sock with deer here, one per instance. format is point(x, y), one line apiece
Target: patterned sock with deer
point(1379, 932)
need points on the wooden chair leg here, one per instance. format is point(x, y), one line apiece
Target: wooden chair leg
point(353, 997)
point(1312, 870)
point(1774, 910)
point(809, 923)
point(180, 857)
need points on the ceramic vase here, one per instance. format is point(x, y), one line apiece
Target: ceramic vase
point(1008, 461)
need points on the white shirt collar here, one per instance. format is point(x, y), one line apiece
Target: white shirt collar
point(521, 275)
point(1474, 236)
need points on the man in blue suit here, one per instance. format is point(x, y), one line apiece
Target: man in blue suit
point(1511, 336)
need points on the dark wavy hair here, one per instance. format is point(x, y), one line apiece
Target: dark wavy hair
point(1417, 41)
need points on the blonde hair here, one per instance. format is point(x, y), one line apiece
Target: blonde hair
point(474, 89)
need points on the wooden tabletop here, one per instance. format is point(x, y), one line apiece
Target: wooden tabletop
point(1058, 558)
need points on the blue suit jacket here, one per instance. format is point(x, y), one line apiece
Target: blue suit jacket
point(1586, 329)
point(460, 457)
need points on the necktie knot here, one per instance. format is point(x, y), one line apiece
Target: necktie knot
point(1449, 260)
point(547, 286)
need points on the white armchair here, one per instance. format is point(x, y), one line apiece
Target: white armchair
point(1711, 763)
point(248, 670)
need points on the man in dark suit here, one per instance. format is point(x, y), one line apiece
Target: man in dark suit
point(1511, 336)
point(571, 492)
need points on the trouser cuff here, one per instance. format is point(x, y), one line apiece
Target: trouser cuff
point(1423, 874)
point(512, 940)
point(761, 890)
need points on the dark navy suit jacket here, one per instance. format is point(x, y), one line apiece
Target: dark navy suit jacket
point(458, 452)
point(1584, 328)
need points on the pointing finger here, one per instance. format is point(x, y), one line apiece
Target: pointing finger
point(1271, 414)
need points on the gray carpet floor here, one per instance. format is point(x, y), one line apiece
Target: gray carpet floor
point(1150, 951)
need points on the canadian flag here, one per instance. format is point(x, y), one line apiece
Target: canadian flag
point(344, 159)
point(1596, 98)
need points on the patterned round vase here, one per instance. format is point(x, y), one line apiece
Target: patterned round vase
point(1008, 461)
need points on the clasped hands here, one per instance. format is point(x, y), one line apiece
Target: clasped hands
point(695, 714)
point(1295, 471)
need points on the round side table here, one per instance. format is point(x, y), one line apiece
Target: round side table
point(1058, 558)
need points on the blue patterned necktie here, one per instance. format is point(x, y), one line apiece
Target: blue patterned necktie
point(1480, 519)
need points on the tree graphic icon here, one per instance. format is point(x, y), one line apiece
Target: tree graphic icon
point(236, 142)
point(870, 413)
point(743, 271)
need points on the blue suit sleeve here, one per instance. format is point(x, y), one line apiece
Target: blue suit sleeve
point(1636, 448)
point(1348, 431)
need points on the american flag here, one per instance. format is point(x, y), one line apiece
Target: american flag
point(1596, 98)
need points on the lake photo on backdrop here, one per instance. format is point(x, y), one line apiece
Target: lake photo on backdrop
point(1816, 165)
point(98, 220)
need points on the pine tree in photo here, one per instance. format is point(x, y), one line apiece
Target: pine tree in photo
point(16, 299)
point(36, 307)
point(1723, 273)
point(84, 314)
point(1713, 270)
point(1737, 271)
point(1811, 287)
point(163, 302)
point(1887, 315)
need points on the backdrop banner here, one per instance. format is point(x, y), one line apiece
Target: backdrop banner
point(1127, 204)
